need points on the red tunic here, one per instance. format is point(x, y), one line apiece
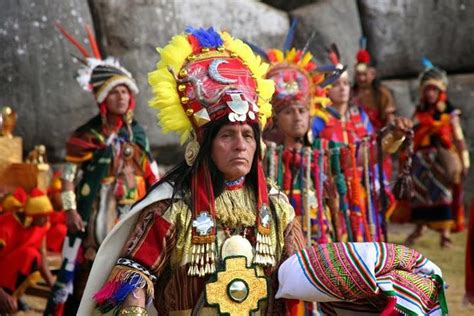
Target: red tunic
point(20, 254)
point(57, 232)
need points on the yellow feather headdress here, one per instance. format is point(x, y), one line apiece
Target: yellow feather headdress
point(297, 79)
point(203, 75)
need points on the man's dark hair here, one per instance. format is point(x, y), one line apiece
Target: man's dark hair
point(180, 176)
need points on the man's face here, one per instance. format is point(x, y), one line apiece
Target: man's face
point(118, 100)
point(340, 91)
point(431, 94)
point(293, 120)
point(233, 150)
point(365, 78)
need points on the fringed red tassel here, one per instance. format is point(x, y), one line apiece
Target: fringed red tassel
point(390, 307)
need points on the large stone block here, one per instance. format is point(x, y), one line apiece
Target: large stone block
point(405, 95)
point(334, 21)
point(400, 32)
point(37, 70)
point(286, 5)
point(133, 30)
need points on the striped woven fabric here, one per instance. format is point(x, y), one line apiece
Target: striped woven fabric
point(364, 278)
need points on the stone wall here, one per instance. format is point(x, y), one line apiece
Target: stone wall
point(37, 70)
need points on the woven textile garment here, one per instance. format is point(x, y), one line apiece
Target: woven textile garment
point(364, 278)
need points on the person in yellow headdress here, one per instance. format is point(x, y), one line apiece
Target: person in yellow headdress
point(298, 96)
point(14, 202)
point(22, 249)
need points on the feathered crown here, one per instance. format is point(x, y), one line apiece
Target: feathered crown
point(363, 56)
point(204, 75)
point(98, 75)
point(297, 77)
point(432, 75)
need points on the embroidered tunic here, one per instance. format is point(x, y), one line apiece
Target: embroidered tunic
point(158, 250)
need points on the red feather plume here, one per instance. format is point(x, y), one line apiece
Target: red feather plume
point(363, 56)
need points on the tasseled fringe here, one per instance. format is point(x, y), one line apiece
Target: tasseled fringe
point(265, 253)
point(271, 161)
point(203, 259)
point(122, 281)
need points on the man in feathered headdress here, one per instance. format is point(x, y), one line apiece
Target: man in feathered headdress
point(298, 96)
point(112, 155)
point(211, 234)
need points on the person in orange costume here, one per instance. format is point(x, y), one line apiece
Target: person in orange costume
point(22, 250)
point(440, 162)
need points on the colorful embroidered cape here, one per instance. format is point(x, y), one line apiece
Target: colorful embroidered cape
point(116, 170)
point(355, 126)
point(289, 170)
point(156, 255)
point(364, 278)
point(325, 182)
point(363, 204)
point(101, 156)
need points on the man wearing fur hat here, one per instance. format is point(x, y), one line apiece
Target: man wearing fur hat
point(108, 168)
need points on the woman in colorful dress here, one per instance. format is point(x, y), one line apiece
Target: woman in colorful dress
point(441, 160)
point(352, 127)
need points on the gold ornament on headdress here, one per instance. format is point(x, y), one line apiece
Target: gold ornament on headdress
point(174, 56)
point(192, 149)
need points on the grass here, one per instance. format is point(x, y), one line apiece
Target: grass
point(451, 261)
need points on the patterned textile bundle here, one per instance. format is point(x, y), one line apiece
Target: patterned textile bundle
point(365, 278)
